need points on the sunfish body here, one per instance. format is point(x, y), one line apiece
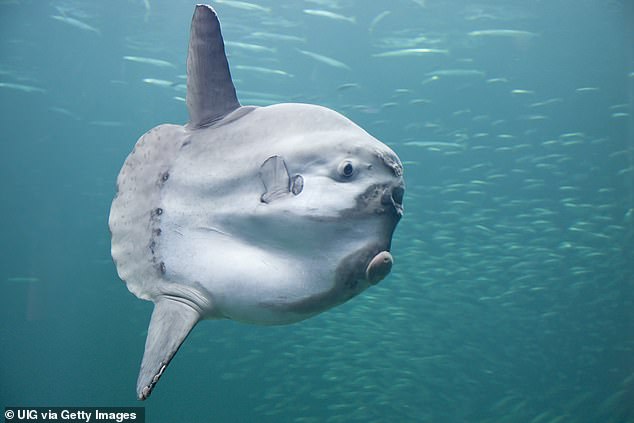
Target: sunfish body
point(266, 215)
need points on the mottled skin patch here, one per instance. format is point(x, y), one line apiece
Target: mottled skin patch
point(351, 273)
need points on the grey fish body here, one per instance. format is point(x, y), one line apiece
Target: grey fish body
point(263, 215)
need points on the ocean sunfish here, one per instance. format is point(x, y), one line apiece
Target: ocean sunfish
point(265, 215)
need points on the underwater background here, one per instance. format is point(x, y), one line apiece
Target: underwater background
point(512, 294)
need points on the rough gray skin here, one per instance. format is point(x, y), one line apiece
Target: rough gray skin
point(263, 215)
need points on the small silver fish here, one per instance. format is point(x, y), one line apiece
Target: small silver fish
point(22, 87)
point(149, 61)
point(411, 52)
point(76, 23)
point(330, 15)
point(259, 69)
point(513, 33)
point(325, 59)
point(249, 47)
point(159, 82)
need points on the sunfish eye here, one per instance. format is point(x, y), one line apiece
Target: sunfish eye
point(346, 169)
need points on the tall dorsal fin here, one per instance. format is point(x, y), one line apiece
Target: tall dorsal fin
point(210, 91)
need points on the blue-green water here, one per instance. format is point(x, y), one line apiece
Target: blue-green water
point(512, 296)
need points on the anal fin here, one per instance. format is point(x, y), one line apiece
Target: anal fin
point(171, 322)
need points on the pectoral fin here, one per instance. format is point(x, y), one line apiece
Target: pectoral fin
point(277, 181)
point(275, 178)
point(171, 322)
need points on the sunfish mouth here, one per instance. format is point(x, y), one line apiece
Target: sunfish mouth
point(393, 196)
point(379, 267)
